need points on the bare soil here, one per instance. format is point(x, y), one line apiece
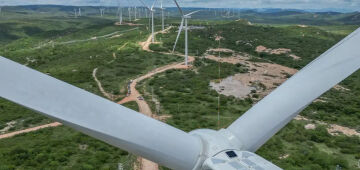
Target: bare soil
point(262, 77)
point(9, 125)
point(333, 129)
point(278, 51)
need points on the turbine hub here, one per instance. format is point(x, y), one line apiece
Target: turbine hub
point(222, 150)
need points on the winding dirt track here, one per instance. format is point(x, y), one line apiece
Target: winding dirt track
point(9, 135)
point(146, 44)
point(143, 105)
point(102, 90)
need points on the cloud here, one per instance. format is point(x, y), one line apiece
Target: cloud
point(298, 4)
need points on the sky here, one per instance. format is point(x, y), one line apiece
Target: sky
point(353, 5)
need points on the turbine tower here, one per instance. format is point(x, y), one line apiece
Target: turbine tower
point(152, 11)
point(162, 16)
point(102, 11)
point(129, 10)
point(184, 19)
point(75, 13)
point(120, 12)
point(80, 12)
point(231, 148)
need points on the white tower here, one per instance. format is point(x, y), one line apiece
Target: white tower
point(162, 16)
point(129, 9)
point(151, 9)
point(75, 13)
point(184, 21)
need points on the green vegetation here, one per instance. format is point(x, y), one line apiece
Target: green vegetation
point(192, 103)
point(132, 105)
point(340, 106)
point(307, 43)
point(297, 148)
point(60, 147)
point(22, 117)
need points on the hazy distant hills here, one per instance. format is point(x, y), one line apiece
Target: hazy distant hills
point(353, 18)
point(263, 15)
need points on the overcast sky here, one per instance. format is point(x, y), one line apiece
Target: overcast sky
point(294, 4)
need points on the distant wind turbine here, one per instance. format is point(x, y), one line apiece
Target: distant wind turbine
point(184, 19)
point(152, 11)
point(75, 13)
point(129, 9)
point(120, 15)
point(102, 11)
point(162, 16)
point(120, 12)
point(80, 12)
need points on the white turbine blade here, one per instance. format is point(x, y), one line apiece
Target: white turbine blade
point(192, 13)
point(178, 6)
point(98, 117)
point(145, 4)
point(272, 113)
point(177, 38)
point(152, 7)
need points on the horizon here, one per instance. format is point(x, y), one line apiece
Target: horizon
point(307, 5)
point(338, 10)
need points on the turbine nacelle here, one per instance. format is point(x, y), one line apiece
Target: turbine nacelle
point(222, 150)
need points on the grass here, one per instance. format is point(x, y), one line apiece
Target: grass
point(60, 147)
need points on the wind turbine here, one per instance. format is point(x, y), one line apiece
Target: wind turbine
point(184, 19)
point(129, 10)
point(120, 15)
point(102, 11)
point(80, 12)
point(75, 13)
point(162, 15)
point(152, 11)
point(203, 149)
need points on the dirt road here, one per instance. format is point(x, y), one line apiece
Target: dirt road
point(144, 107)
point(9, 135)
point(146, 44)
point(102, 90)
